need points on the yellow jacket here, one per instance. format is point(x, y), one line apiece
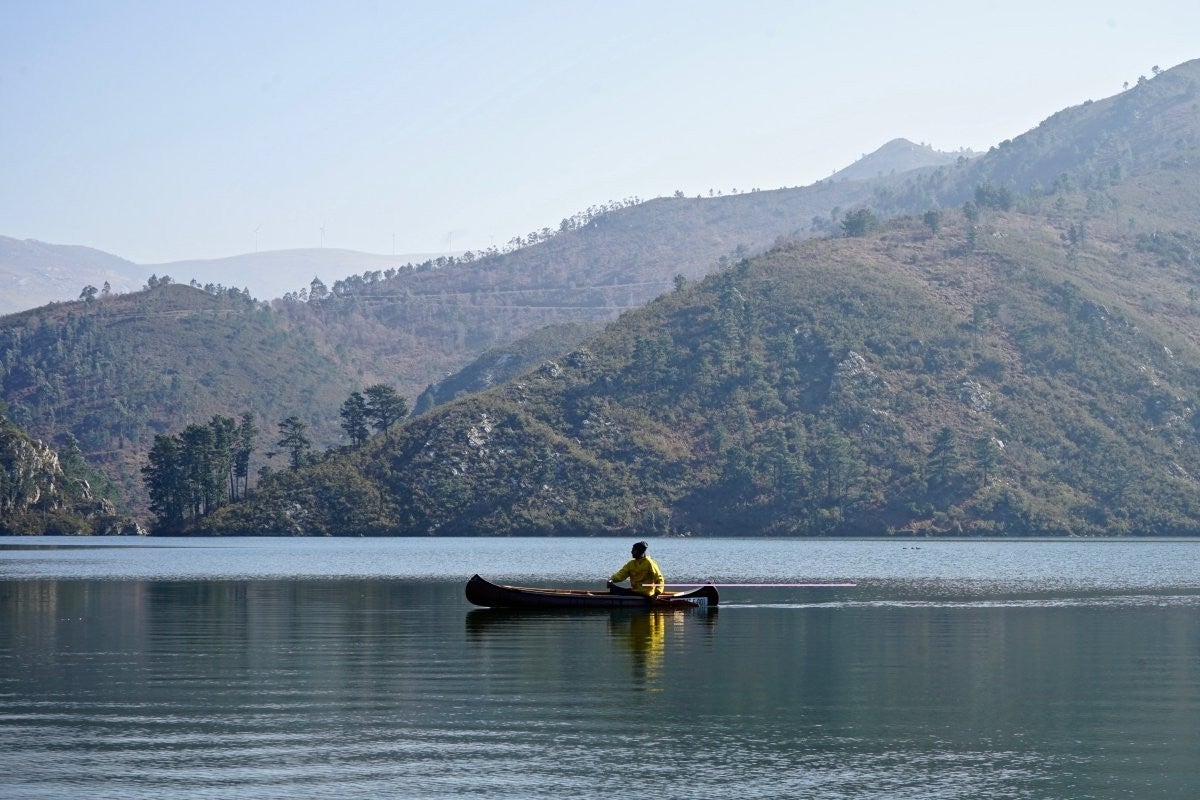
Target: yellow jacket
point(644, 576)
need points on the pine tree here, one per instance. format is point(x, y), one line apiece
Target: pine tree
point(860, 222)
point(203, 484)
point(944, 461)
point(987, 456)
point(224, 436)
point(354, 418)
point(385, 406)
point(247, 433)
point(163, 475)
point(292, 437)
point(933, 220)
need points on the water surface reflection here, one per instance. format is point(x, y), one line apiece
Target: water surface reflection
point(367, 688)
point(582, 637)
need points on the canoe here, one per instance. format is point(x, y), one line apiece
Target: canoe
point(481, 592)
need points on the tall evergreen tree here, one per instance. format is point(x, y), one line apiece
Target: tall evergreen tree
point(987, 456)
point(837, 464)
point(944, 461)
point(196, 472)
point(247, 433)
point(933, 220)
point(354, 418)
point(224, 438)
point(385, 406)
point(164, 478)
point(294, 439)
point(203, 483)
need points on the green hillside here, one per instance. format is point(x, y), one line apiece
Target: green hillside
point(119, 369)
point(1087, 148)
point(506, 361)
point(1024, 363)
point(1094, 209)
point(413, 325)
point(115, 371)
point(1031, 384)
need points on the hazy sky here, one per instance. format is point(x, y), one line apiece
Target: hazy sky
point(161, 131)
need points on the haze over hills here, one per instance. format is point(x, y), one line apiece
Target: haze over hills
point(34, 273)
point(897, 156)
point(1117, 169)
point(272, 274)
point(501, 363)
point(117, 371)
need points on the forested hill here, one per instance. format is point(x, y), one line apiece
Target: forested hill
point(1086, 147)
point(499, 364)
point(418, 325)
point(114, 371)
point(1025, 364)
point(415, 326)
point(1113, 179)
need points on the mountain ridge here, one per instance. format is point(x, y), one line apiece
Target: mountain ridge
point(898, 156)
point(431, 319)
point(34, 273)
point(271, 274)
point(820, 389)
point(1026, 364)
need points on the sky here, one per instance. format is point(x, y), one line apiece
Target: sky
point(172, 130)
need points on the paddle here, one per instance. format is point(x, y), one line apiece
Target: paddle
point(776, 585)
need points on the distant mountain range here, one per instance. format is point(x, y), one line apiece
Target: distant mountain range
point(274, 273)
point(897, 156)
point(34, 273)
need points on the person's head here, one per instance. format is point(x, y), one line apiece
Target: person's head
point(639, 549)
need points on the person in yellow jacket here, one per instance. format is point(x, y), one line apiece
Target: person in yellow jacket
point(644, 575)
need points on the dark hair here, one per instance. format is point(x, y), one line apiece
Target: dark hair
point(642, 546)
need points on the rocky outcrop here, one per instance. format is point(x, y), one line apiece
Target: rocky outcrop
point(37, 496)
point(30, 473)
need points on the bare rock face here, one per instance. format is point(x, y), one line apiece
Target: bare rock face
point(854, 376)
point(29, 472)
point(974, 396)
point(38, 497)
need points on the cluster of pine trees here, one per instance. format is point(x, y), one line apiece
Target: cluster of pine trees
point(199, 470)
point(379, 406)
point(205, 467)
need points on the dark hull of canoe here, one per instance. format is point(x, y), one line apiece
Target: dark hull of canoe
point(492, 595)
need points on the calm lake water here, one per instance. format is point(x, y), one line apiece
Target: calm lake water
point(354, 668)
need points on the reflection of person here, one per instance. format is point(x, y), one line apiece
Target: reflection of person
point(647, 630)
point(644, 575)
point(643, 633)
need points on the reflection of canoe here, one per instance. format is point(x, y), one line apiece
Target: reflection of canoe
point(484, 593)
